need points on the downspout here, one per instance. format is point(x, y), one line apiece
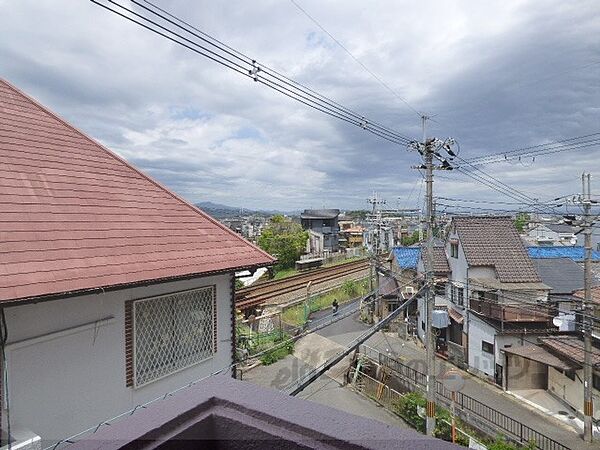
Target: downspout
point(467, 315)
point(233, 334)
point(4, 377)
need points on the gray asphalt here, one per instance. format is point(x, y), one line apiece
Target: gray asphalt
point(328, 392)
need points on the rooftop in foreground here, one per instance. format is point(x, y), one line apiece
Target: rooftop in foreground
point(224, 413)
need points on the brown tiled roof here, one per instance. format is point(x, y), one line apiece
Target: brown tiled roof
point(570, 347)
point(494, 241)
point(580, 293)
point(76, 217)
point(440, 262)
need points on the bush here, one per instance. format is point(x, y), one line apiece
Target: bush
point(276, 354)
point(406, 408)
point(350, 288)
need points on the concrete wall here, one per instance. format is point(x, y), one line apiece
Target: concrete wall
point(571, 391)
point(522, 373)
point(480, 361)
point(66, 358)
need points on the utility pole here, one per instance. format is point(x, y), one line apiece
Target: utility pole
point(429, 294)
point(588, 405)
point(430, 148)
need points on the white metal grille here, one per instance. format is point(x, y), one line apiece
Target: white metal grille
point(172, 332)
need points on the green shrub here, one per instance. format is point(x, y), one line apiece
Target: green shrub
point(276, 354)
point(406, 408)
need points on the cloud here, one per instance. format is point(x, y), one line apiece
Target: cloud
point(495, 76)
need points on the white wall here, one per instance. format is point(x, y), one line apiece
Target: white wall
point(480, 331)
point(571, 391)
point(62, 380)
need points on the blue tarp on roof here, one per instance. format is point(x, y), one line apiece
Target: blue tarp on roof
point(574, 253)
point(407, 257)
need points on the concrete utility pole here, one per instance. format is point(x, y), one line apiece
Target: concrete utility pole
point(430, 148)
point(588, 405)
point(429, 294)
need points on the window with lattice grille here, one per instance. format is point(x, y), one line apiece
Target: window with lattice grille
point(172, 332)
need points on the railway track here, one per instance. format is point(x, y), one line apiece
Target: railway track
point(263, 292)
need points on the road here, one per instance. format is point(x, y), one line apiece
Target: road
point(326, 390)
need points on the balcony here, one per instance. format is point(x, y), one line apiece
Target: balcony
point(510, 313)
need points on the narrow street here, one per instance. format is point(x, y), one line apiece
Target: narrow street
point(327, 390)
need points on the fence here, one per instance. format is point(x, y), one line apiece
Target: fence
point(514, 429)
point(384, 394)
point(387, 396)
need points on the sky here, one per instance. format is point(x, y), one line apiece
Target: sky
point(494, 75)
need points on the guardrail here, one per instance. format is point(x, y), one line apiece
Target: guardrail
point(514, 429)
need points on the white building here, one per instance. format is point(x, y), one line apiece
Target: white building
point(552, 234)
point(113, 290)
point(491, 283)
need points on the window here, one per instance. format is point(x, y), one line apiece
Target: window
point(457, 295)
point(171, 332)
point(487, 347)
point(454, 249)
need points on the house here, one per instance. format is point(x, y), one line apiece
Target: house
point(575, 253)
point(408, 266)
point(564, 276)
point(113, 290)
point(323, 228)
point(230, 414)
point(440, 319)
point(495, 293)
point(552, 234)
point(352, 236)
point(553, 366)
point(379, 237)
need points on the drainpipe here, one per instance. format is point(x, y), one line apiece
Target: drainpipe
point(4, 398)
point(467, 314)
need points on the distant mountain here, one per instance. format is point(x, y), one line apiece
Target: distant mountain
point(220, 211)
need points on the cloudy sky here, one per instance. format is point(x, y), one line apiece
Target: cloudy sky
point(494, 75)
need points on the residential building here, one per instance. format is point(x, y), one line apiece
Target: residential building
point(323, 229)
point(495, 293)
point(552, 234)
point(113, 290)
point(554, 366)
point(563, 276)
point(576, 253)
point(352, 237)
point(379, 238)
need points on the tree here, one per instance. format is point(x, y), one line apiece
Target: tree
point(410, 240)
point(283, 239)
point(521, 221)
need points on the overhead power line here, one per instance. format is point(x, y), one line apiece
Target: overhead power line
point(563, 145)
point(176, 30)
point(358, 61)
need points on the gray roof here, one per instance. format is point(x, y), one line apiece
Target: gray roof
point(563, 275)
point(320, 213)
point(220, 412)
point(494, 241)
point(560, 227)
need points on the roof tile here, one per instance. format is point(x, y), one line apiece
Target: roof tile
point(495, 242)
point(77, 217)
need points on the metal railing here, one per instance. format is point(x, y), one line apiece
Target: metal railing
point(514, 429)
